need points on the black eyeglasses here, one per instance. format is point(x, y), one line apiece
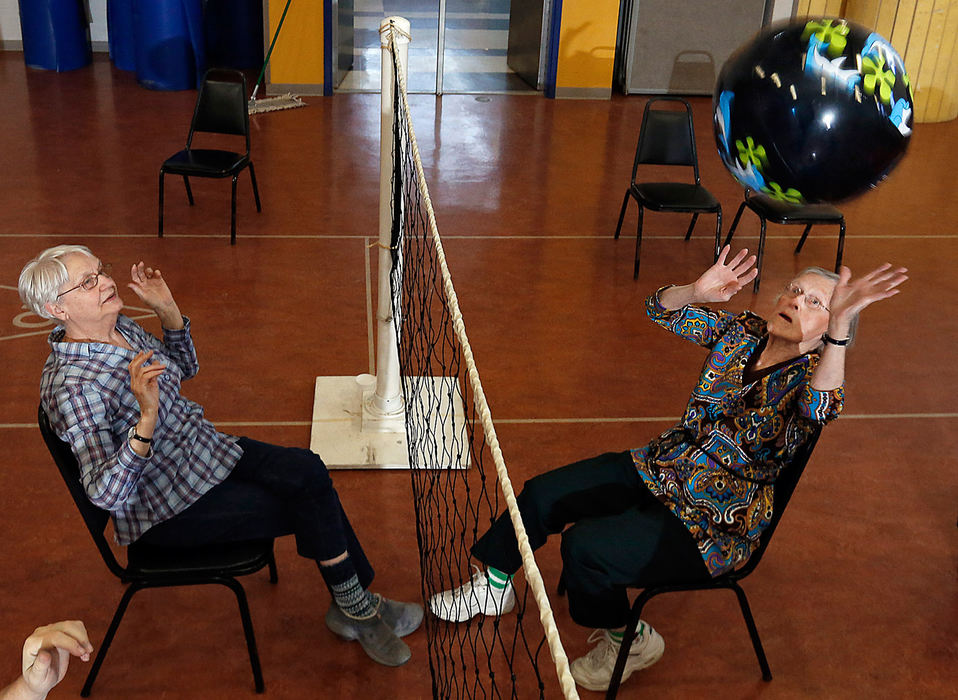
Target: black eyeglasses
point(90, 281)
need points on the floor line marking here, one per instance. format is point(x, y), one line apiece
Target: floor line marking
point(478, 237)
point(540, 421)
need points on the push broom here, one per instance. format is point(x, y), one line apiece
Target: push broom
point(272, 104)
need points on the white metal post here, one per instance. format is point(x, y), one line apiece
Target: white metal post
point(386, 404)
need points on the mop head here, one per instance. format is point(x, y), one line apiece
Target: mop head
point(273, 104)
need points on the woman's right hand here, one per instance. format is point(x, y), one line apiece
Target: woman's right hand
point(724, 279)
point(144, 384)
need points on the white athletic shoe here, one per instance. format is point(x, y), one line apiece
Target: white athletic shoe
point(472, 598)
point(594, 670)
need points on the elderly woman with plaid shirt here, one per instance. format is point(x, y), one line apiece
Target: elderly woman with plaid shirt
point(167, 476)
point(695, 500)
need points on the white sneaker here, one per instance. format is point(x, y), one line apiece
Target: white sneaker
point(472, 598)
point(594, 670)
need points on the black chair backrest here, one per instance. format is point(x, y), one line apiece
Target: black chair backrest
point(95, 518)
point(784, 488)
point(221, 106)
point(667, 137)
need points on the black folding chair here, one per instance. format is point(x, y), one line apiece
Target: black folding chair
point(667, 137)
point(784, 487)
point(221, 108)
point(779, 212)
point(158, 567)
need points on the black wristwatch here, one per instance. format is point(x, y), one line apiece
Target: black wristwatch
point(133, 436)
point(834, 341)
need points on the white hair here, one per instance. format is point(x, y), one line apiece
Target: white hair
point(833, 276)
point(42, 277)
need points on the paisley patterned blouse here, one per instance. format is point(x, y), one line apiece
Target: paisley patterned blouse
point(715, 469)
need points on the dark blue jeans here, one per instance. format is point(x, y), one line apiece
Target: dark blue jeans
point(619, 536)
point(272, 491)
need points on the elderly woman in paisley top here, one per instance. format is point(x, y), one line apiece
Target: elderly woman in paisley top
point(694, 501)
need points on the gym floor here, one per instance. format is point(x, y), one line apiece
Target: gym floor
point(856, 596)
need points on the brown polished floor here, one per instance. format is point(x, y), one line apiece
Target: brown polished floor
point(857, 596)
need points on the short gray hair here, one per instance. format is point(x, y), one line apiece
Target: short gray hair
point(42, 277)
point(833, 276)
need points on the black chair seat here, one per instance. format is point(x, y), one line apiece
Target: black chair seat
point(205, 162)
point(675, 196)
point(667, 138)
point(784, 213)
point(238, 559)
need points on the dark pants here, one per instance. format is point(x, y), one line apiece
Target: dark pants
point(272, 491)
point(620, 536)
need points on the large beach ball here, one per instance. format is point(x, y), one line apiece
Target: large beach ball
point(815, 110)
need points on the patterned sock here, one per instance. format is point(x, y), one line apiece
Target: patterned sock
point(497, 579)
point(350, 596)
point(353, 599)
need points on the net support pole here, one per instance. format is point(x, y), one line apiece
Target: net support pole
point(384, 409)
point(360, 421)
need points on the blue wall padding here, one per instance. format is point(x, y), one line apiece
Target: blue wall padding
point(55, 34)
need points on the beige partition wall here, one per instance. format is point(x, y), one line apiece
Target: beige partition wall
point(924, 32)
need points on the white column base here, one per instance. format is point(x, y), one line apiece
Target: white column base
point(347, 436)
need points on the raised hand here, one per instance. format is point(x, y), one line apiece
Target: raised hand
point(850, 296)
point(149, 285)
point(46, 653)
point(144, 384)
point(724, 279)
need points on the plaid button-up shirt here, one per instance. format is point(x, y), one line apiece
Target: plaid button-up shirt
point(85, 391)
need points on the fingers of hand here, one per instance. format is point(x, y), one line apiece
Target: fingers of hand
point(738, 257)
point(139, 359)
point(723, 254)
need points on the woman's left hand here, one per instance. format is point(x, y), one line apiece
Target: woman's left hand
point(850, 296)
point(149, 285)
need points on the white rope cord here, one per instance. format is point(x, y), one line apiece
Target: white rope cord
point(533, 577)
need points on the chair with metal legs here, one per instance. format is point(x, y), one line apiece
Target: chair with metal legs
point(779, 212)
point(159, 567)
point(667, 137)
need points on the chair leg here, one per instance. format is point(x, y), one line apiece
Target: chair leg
point(273, 575)
point(759, 255)
point(625, 203)
point(841, 245)
point(718, 234)
point(252, 177)
point(160, 229)
point(688, 234)
point(738, 215)
point(638, 243)
point(801, 241)
point(108, 638)
point(237, 588)
point(233, 213)
point(753, 632)
point(189, 191)
point(627, 637)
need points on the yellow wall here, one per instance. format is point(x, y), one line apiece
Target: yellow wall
point(587, 44)
point(297, 58)
point(925, 33)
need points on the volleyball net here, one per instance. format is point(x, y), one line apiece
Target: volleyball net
point(448, 422)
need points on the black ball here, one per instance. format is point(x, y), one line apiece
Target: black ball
point(815, 110)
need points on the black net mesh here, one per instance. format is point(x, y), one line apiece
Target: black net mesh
point(454, 479)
